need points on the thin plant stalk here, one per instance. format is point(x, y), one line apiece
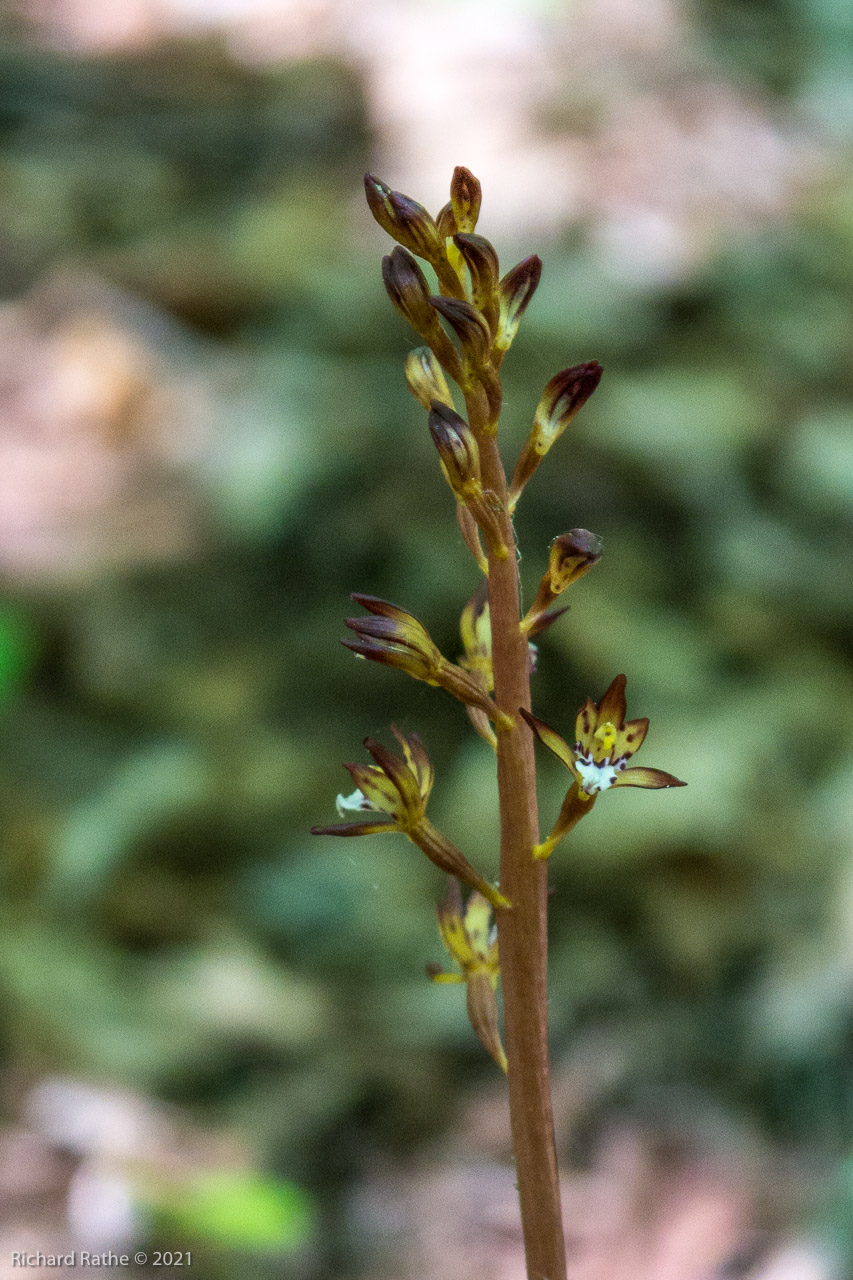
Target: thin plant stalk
point(483, 311)
point(523, 931)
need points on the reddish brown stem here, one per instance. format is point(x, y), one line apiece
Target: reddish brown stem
point(522, 931)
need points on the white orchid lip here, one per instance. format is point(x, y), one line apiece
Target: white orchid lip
point(356, 802)
point(596, 777)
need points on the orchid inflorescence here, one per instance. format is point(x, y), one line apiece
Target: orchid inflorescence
point(467, 325)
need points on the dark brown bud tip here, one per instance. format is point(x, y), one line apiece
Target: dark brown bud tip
point(546, 620)
point(457, 447)
point(468, 325)
point(566, 393)
point(407, 288)
point(572, 555)
point(403, 218)
point(515, 291)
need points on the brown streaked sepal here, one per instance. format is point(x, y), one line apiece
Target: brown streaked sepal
point(482, 263)
point(458, 450)
point(572, 555)
point(407, 288)
point(469, 326)
point(466, 196)
point(546, 620)
point(396, 638)
point(564, 397)
point(514, 293)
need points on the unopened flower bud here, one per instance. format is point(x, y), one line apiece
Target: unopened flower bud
point(460, 461)
point(458, 450)
point(465, 198)
point(425, 378)
point(564, 396)
point(572, 555)
point(514, 293)
point(408, 290)
point(482, 263)
point(469, 326)
point(396, 638)
point(404, 219)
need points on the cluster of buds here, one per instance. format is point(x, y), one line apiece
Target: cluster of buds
point(465, 330)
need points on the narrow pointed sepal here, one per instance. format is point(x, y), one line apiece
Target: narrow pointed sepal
point(654, 779)
point(545, 620)
point(435, 973)
point(550, 738)
point(355, 828)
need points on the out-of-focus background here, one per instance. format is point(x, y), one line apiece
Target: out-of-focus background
point(217, 1035)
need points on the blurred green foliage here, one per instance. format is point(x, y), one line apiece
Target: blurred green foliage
point(166, 921)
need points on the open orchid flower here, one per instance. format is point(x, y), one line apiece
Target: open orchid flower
point(604, 743)
point(471, 939)
point(391, 795)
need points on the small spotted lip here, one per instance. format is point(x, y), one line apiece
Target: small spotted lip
point(597, 777)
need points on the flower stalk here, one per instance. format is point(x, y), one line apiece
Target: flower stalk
point(468, 327)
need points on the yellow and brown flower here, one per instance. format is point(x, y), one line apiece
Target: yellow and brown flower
point(398, 787)
point(470, 937)
point(604, 743)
